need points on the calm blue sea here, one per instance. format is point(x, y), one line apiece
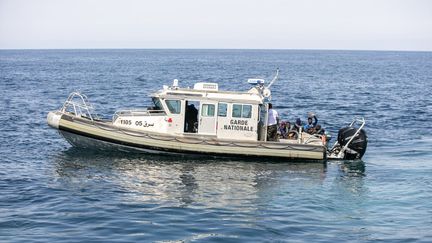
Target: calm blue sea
point(51, 192)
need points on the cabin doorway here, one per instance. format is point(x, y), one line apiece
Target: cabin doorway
point(191, 116)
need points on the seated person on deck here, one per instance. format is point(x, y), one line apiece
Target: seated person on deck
point(309, 127)
point(298, 125)
point(284, 129)
point(318, 130)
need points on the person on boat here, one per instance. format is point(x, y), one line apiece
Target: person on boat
point(297, 125)
point(283, 130)
point(319, 130)
point(309, 127)
point(287, 131)
point(191, 117)
point(293, 130)
point(272, 123)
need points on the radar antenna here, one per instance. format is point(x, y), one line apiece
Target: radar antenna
point(274, 79)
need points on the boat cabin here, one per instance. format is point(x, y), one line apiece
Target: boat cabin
point(203, 110)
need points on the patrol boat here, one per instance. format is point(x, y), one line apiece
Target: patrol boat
point(202, 120)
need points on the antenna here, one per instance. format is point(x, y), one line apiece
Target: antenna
point(175, 83)
point(274, 79)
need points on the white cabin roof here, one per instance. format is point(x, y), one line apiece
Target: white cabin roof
point(252, 96)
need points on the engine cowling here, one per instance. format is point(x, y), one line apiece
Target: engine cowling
point(358, 145)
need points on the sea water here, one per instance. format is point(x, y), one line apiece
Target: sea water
point(51, 192)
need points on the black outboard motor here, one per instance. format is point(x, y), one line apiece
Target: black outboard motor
point(357, 147)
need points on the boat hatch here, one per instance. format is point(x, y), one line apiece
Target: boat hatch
point(206, 86)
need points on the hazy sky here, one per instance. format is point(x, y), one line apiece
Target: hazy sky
point(266, 24)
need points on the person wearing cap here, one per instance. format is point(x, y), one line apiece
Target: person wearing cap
point(272, 123)
point(310, 125)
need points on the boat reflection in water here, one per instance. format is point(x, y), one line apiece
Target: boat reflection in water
point(181, 200)
point(353, 167)
point(209, 182)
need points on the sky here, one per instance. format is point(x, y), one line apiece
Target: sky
point(218, 24)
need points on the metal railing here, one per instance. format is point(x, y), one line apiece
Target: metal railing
point(79, 105)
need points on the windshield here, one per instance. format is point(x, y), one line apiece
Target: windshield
point(157, 104)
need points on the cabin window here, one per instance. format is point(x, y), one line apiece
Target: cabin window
point(247, 111)
point(242, 111)
point(174, 106)
point(222, 109)
point(208, 110)
point(157, 104)
point(237, 110)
